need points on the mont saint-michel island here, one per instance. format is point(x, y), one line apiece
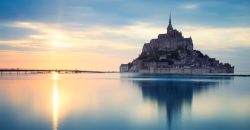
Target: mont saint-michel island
point(173, 53)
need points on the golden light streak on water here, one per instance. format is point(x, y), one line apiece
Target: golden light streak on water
point(55, 102)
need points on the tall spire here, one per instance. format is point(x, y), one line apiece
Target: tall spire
point(170, 17)
point(170, 28)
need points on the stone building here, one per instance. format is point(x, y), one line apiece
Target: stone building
point(173, 53)
point(124, 68)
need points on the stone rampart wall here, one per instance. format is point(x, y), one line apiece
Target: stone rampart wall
point(185, 70)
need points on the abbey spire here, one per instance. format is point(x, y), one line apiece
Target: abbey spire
point(170, 27)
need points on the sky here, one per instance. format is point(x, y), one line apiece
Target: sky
point(102, 34)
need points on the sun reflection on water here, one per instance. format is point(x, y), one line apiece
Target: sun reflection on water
point(55, 100)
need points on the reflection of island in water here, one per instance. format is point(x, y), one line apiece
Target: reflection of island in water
point(172, 92)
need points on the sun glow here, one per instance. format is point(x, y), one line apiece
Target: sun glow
point(55, 76)
point(57, 43)
point(58, 40)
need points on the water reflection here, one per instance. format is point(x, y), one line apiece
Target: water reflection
point(120, 101)
point(172, 92)
point(55, 100)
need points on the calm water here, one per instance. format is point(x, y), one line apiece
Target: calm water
point(123, 102)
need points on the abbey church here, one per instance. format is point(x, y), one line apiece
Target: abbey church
point(172, 53)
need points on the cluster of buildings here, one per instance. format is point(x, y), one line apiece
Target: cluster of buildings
point(172, 53)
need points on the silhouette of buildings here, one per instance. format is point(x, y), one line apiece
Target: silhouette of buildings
point(172, 53)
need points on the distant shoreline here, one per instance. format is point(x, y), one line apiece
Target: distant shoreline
point(44, 71)
point(48, 71)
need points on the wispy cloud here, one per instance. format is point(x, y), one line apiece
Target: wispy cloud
point(189, 6)
point(209, 38)
point(54, 36)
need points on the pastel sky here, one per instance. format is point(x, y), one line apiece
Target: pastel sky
point(102, 34)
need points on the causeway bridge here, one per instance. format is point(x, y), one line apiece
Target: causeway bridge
point(44, 71)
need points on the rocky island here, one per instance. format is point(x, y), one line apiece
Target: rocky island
point(172, 53)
